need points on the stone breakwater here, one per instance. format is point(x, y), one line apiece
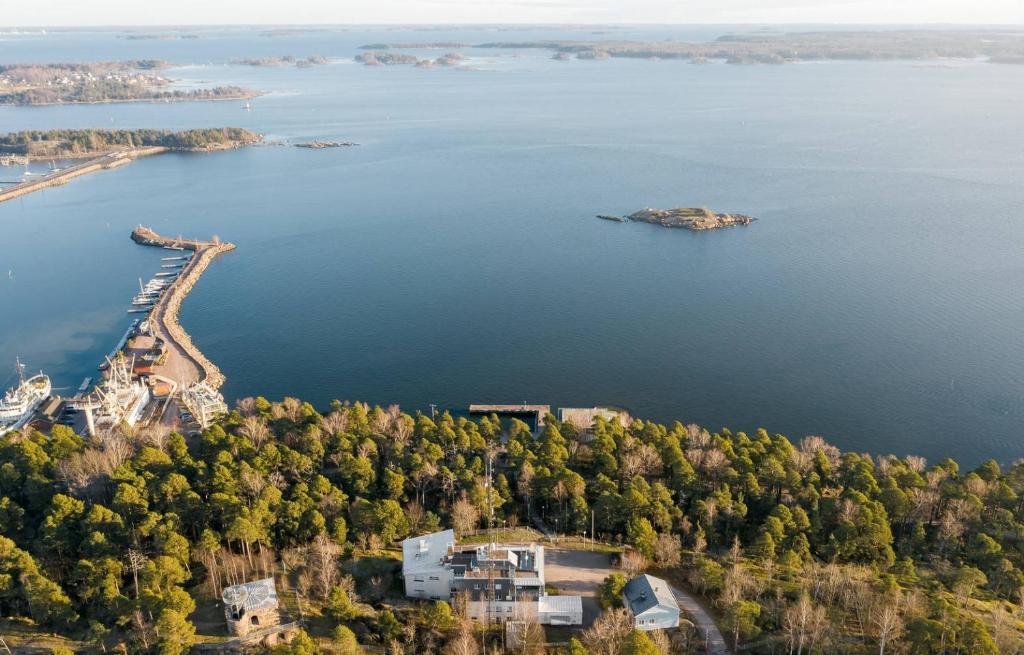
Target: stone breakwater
point(111, 160)
point(164, 316)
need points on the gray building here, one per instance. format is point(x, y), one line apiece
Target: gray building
point(651, 603)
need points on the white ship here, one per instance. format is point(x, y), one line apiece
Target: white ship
point(20, 402)
point(122, 397)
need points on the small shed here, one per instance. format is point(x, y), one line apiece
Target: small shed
point(560, 610)
point(651, 603)
point(251, 606)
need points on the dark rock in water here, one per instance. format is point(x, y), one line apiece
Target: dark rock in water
point(316, 145)
point(617, 219)
point(690, 218)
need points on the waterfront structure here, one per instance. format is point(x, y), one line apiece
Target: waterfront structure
point(582, 418)
point(205, 403)
point(497, 582)
point(651, 603)
point(532, 413)
point(20, 402)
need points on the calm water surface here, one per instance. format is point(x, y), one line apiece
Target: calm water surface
point(454, 256)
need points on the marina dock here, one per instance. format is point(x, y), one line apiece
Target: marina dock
point(185, 364)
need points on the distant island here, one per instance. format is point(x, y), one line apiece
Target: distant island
point(286, 60)
point(317, 145)
point(998, 46)
point(691, 218)
point(63, 144)
point(432, 45)
point(100, 82)
point(377, 58)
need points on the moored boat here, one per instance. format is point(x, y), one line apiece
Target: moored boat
point(20, 402)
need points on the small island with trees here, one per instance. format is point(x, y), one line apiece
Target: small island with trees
point(101, 82)
point(75, 143)
point(691, 218)
point(378, 58)
point(286, 60)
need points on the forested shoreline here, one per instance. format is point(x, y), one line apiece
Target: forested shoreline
point(86, 142)
point(100, 82)
point(123, 542)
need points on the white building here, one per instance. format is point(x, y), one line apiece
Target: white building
point(500, 582)
point(651, 603)
point(423, 565)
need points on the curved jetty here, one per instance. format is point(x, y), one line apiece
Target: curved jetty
point(191, 365)
point(690, 218)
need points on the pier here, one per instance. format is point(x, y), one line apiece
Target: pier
point(56, 178)
point(536, 413)
point(186, 364)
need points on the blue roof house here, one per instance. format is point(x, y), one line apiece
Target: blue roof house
point(651, 603)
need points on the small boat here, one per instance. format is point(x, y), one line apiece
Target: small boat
point(144, 310)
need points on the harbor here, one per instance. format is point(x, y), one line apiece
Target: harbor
point(58, 177)
point(154, 375)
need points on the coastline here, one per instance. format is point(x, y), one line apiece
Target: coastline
point(117, 101)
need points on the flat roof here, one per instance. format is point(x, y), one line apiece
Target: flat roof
point(560, 604)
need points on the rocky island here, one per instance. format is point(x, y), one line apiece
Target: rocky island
point(691, 218)
point(317, 145)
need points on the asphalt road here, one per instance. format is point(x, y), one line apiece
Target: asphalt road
point(706, 625)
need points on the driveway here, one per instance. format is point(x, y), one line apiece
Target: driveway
point(577, 573)
point(706, 625)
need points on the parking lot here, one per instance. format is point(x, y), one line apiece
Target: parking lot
point(577, 573)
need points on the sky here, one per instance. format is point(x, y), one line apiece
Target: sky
point(15, 13)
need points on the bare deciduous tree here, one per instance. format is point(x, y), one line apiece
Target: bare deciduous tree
point(668, 551)
point(323, 560)
point(464, 517)
point(804, 622)
point(605, 636)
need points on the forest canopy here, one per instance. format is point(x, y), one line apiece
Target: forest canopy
point(798, 547)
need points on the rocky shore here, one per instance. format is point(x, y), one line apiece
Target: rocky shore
point(691, 218)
